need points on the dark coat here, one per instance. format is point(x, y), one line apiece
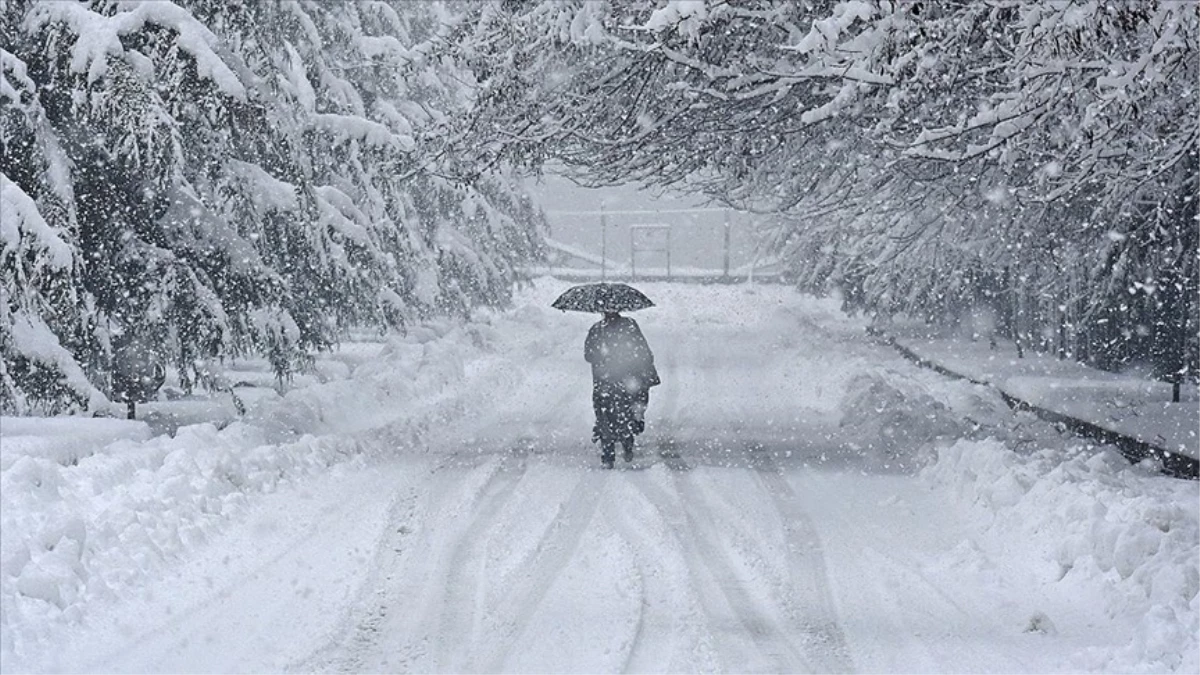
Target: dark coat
point(620, 355)
point(622, 373)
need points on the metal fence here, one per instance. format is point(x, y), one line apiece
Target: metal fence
point(677, 244)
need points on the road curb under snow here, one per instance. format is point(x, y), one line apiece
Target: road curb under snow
point(1135, 450)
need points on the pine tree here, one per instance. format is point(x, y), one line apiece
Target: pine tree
point(233, 180)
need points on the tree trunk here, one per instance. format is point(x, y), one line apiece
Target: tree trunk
point(1018, 314)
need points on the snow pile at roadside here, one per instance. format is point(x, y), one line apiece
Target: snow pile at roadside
point(78, 533)
point(884, 410)
point(85, 524)
point(418, 367)
point(64, 440)
point(1106, 535)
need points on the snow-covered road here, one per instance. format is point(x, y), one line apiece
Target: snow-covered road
point(785, 513)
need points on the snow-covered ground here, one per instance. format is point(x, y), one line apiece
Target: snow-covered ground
point(803, 500)
point(1129, 404)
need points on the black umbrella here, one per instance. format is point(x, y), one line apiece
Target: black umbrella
point(602, 297)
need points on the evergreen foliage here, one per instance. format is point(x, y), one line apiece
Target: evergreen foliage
point(231, 179)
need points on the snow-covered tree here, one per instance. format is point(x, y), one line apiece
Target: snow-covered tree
point(929, 155)
point(232, 179)
point(44, 328)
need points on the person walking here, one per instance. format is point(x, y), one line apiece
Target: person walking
point(622, 363)
point(622, 374)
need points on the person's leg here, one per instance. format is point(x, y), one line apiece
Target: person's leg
point(598, 408)
point(625, 421)
point(605, 404)
point(608, 453)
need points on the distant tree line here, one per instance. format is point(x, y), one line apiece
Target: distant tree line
point(1036, 159)
point(218, 179)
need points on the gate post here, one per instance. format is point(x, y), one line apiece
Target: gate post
point(726, 259)
point(603, 243)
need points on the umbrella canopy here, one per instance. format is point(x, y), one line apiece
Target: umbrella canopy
point(602, 297)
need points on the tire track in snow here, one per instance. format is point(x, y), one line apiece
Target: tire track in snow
point(341, 653)
point(639, 628)
point(400, 626)
point(457, 614)
point(807, 607)
point(808, 603)
point(669, 633)
point(345, 651)
point(554, 551)
point(763, 620)
point(749, 640)
point(412, 561)
point(461, 606)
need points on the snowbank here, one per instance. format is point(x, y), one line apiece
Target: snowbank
point(91, 508)
point(1102, 534)
point(63, 440)
point(888, 412)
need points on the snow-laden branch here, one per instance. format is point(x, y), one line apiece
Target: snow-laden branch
point(98, 38)
point(351, 127)
point(22, 228)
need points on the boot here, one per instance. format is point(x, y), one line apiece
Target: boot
point(628, 443)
